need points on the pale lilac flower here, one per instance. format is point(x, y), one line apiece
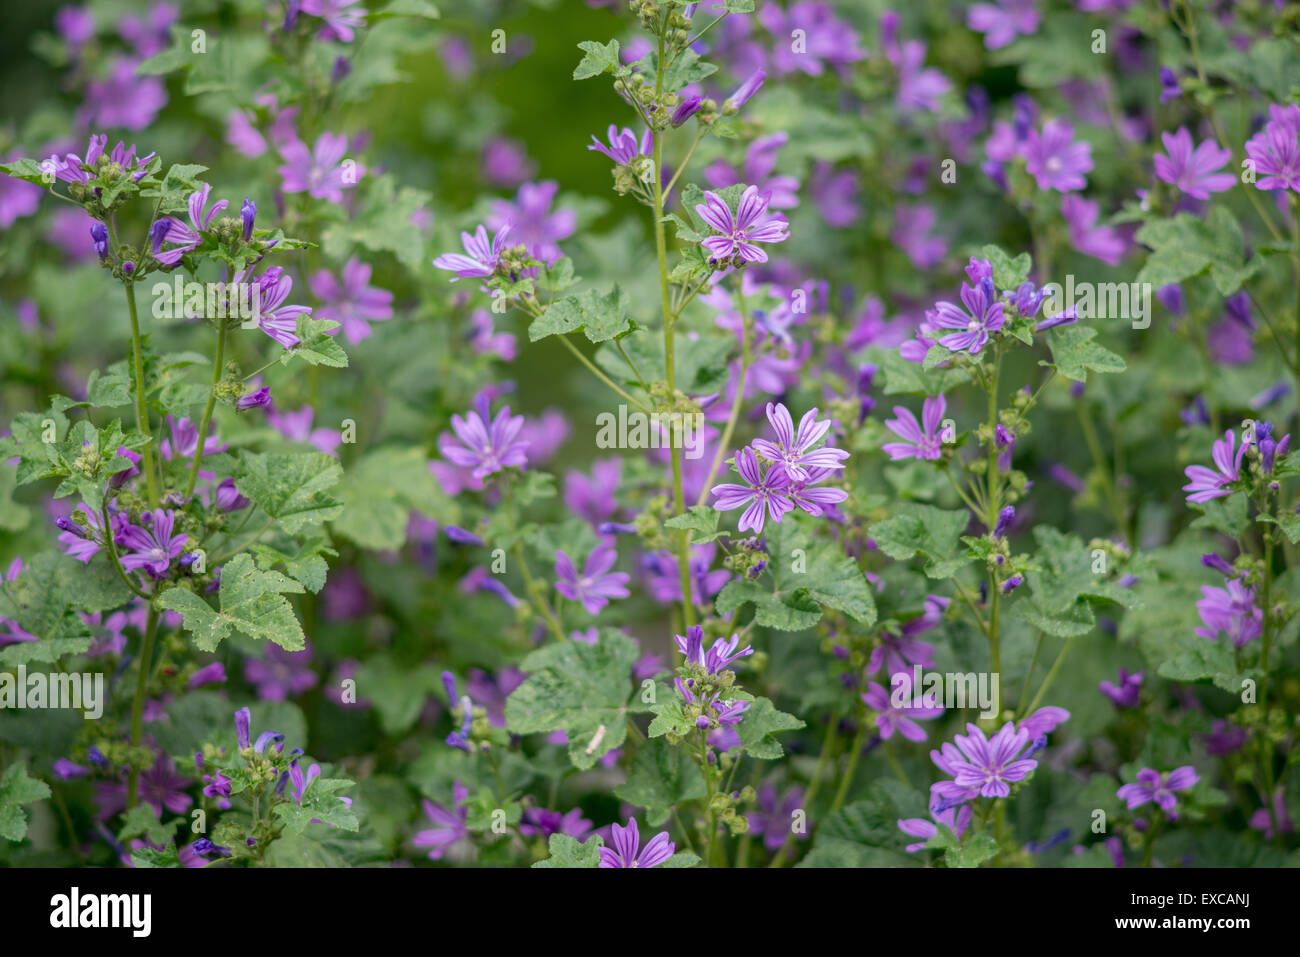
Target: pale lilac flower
point(1231, 610)
point(1127, 693)
point(186, 236)
point(450, 826)
point(123, 99)
point(485, 448)
point(740, 234)
point(320, 172)
point(149, 36)
point(593, 498)
point(793, 450)
point(743, 92)
point(918, 88)
point(353, 302)
point(482, 257)
point(627, 851)
point(920, 440)
point(827, 40)
point(1038, 723)
point(912, 234)
point(505, 162)
point(17, 198)
point(774, 821)
point(257, 399)
point(1261, 820)
point(296, 427)
point(985, 316)
point(719, 657)
point(75, 24)
point(1099, 242)
point(766, 492)
point(901, 718)
point(540, 822)
point(956, 819)
point(1055, 160)
point(981, 766)
point(624, 148)
point(835, 193)
point(665, 583)
point(532, 222)
point(1275, 150)
point(1002, 21)
point(782, 192)
point(597, 584)
point(1194, 171)
point(486, 340)
point(1151, 786)
point(1206, 483)
point(341, 17)
point(281, 674)
point(277, 320)
point(153, 547)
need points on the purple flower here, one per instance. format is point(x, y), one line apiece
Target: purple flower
point(918, 88)
point(483, 256)
point(1153, 786)
point(1099, 242)
point(151, 548)
point(258, 399)
point(835, 193)
point(597, 584)
point(718, 657)
point(665, 584)
point(1054, 159)
point(486, 340)
point(75, 24)
point(956, 819)
point(793, 450)
point(451, 826)
point(627, 850)
point(539, 822)
point(505, 162)
point(985, 316)
point(593, 498)
point(688, 107)
point(248, 214)
point(213, 674)
point(782, 192)
point(1169, 86)
point(911, 234)
point(1223, 738)
point(743, 92)
point(827, 40)
point(1261, 820)
point(160, 787)
point(919, 442)
point(898, 710)
point(120, 478)
point(318, 172)
point(1194, 171)
point(187, 236)
point(1275, 150)
point(277, 320)
point(532, 222)
point(1206, 483)
point(340, 16)
point(624, 148)
point(353, 302)
point(1231, 610)
point(767, 492)
point(281, 674)
point(123, 99)
point(296, 427)
point(1003, 21)
point(740, 234)
point(17, 199)
point(1127, 693)
point(981, 767)
point(486, 449)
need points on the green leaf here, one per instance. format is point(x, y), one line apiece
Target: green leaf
point(977, 849)
point(759, 723)
point(1075, 620)
point(379, 493)
point(1186, 246)
point(383, 223)
point(702, 520)
point(251, 603)
point(409, 8)
point(920, 529)
point(1074, 353)
point(1008, 273)
point(142, 821)
point(306, 566)
point(598, 58)
point(600, 317)
point(662, 776)
point(290, 487)
point(399, 691)
point(568, 852)
point(580, 689)
point(17, 789)
point(320, 804)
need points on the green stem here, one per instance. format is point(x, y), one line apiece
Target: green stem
point(137, 706)
point(1051, 675)
point(725, 441)
point(141, 403)
point(112, 551)
point(601, 376)
point(217, 363)
point(846, 781)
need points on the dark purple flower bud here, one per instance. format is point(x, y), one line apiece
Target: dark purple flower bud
point(243, 726)
point(228, 497)
point(188, 559)
point(249, 213)
point(1040, 742)
point(984, 591)
point(1238, 308)
point(1004, 519)
point(342, 67)
point(1169, 88)
point(96, 757)
point(128, 268)
point(1027, 299)
point(1171, 297)
point(157, 234)
point(1195, 414)
point(99, 235)
point(745, 91)
point(1077, 389)
point(267, 738)
point(1219, 564)
point(1270, 395)
point(462, 537)
point(1012, 583)
point(616, 528)
point(65, 524)
point(253, 400)
point(1267, 452)
point(449, 684)
point(1002, 436)
point(251, 842)
point(1023, 114)
point(685, 110)
point(66, 770)
point(1066, 318)
point(118, 479)
point(1128, 581)
point(204, 846)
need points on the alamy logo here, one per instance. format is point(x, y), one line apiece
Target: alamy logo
point(210, 300)
point(84, 691)
point(133, 911)
point(948, 690)
point(1130, 301)
point(656, 430)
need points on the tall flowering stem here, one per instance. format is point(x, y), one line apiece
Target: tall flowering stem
point(141, 403)
point(217, 362)
point(993, 505)
point(661, 254)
